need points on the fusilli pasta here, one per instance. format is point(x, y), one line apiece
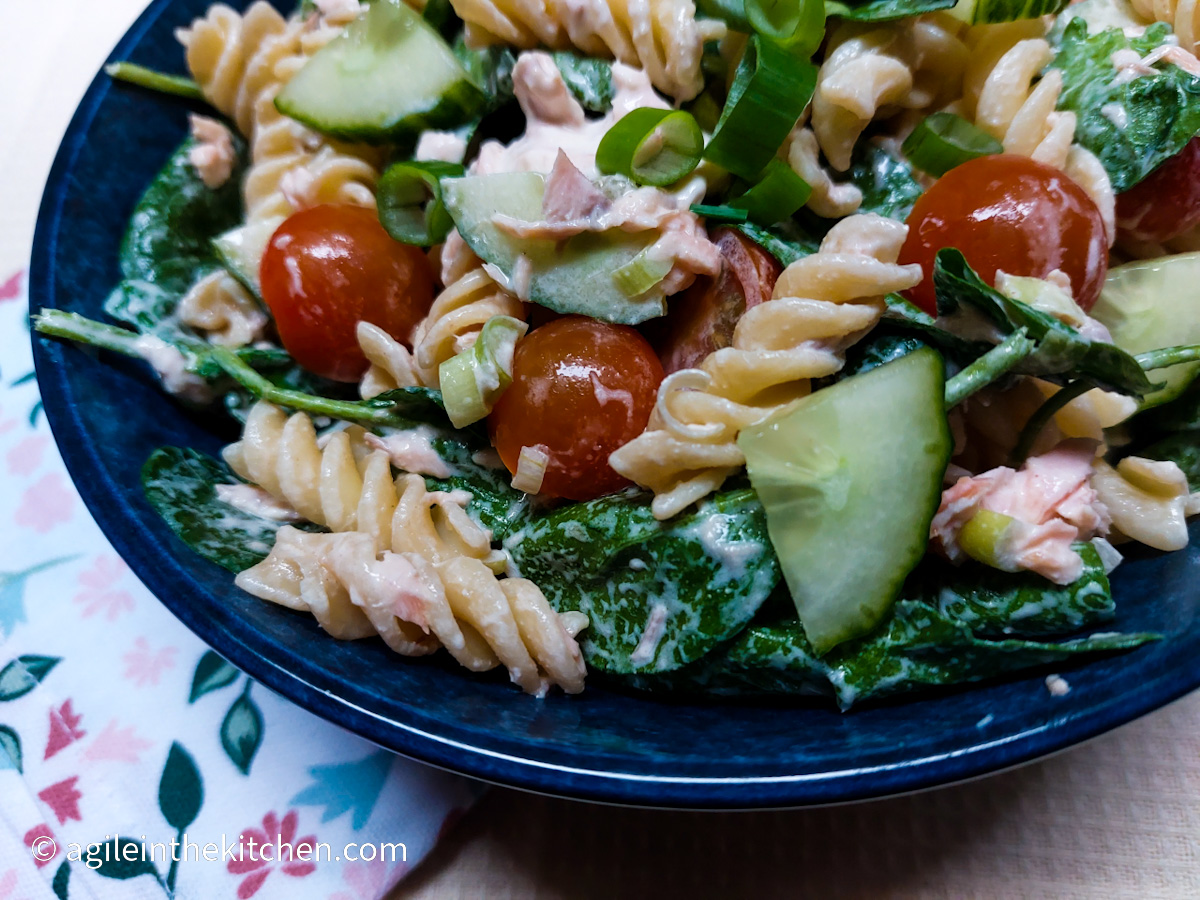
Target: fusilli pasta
point(219, 307)
point(828, 198)
point(1148, 500)
point(404, 562)
point(821, 305)
point(664, 37)
point(873, 71)
point(1182, 15)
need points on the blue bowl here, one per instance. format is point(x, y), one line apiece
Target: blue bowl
point(108, 415)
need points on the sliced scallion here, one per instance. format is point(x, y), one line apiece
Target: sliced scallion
point(798, 25)
point(651, 146)
point(769, 92)
point(473, 381)
point(640, 274)
point(777, 196)
point(716, 214)
point(943, 141)
point(409, 198)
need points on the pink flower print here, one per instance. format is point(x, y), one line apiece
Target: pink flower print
point(8, 884)
point(11, 288)
point(26, 456)
point(98, 588)
point(63, 799)
point(279, 838)
point(64, 729)
point(35, 839)
point(45, 504)
point(115, 744)
point(144, 666)
point(368, 880)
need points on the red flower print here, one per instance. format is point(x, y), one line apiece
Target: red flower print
point(11, 289)
point(63, 799)
point(98, 588)
point(45, 504)
point(8, 884)
point(144, 666)
point(26, 456)
point(283, 852)
point(31, 840)
point(116, 745)
point(64, 729)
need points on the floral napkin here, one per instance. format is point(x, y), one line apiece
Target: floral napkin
point(120, 731)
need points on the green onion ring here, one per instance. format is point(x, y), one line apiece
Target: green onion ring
point(777, 196)
point(409, 199)
point(944, 141)
point(798, 25)
point(651, 146)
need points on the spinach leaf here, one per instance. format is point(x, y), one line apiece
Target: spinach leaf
point(786, 241)
point(659, 594)
point(1135, 125)
point(495, 504)
point(1062, 354)
point(181, 486)
point(883, 10)
point(589, 80)
point(886, 181)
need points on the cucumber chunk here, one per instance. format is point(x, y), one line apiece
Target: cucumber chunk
point(1151, 304)
point(572, 276)
point(386, 76)
point(241, 249)
point(850, 478)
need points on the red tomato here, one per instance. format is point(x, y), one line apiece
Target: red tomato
point(702, 318)
point(1167, 202)
point(328, 268)
point(580, 390)
point(1009, 212)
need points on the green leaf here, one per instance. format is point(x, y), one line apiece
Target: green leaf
point(1062, 354)
point(120, 858)
point(886, 181)
point(1134, 125)
point(884, 10)
point(181, 486)
point(23, 674)
point(495, 504)
point(785, 241)
point(659, 595)
point(241, 731)
point(212, 673)
point(588, 79)
point(62, 879)
point(10, 749)
point(181, 789)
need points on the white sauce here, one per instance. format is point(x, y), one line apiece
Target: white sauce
point(1116, 113)
point(656, 624)
point(257, 502)
point(171, 367)
point(412, 451)
point(442, 146)
point(1057, 686)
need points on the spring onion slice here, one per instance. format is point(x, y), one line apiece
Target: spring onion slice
point(640, 274)
point(776, 197)
point(409, 199)
point(473, 381)
point(718, 214)
point(769, 92)
point(943, 141)
point(798, 25)
point(651, 146)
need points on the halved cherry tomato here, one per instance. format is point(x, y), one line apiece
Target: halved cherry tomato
point(580, 390)
point(1011, 213)
point(1166, 203)
point(326, 269)
point(702, 318)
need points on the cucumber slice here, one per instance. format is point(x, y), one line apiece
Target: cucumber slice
point(386, 76)
point(993, 12)
point(851, 478)
point(571, 276)
point(241, 249)
point(1151, 304)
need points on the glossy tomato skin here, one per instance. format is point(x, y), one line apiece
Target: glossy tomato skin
point(329, 267)
point(1166, 203)
point(581, 389)
point(1011, 213)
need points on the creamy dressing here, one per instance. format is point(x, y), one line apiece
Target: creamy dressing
point(1117, 114)
point(1057, 686)
point(412, 451)
point(171, 367)
point(656, 626)
point(255, 501)
point(441, 146)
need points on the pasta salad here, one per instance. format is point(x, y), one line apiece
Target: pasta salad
point(736, 347)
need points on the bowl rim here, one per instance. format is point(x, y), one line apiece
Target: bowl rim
point(848, 784)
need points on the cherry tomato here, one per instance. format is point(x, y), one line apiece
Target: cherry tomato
point(580, 390)
point(326, 269)
point(1009, 212)
point(1167, 202)
point(702, 318)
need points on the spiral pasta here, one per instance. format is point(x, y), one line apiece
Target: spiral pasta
point(220, 308)
point(1010, 102)
point(821, 305)
point(1182, 15)
point(1149, 500)
point(404, 562)
point(828, 198)
point(873, 71)
point(663, 37)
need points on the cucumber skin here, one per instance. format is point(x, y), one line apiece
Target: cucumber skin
point(453, 109)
